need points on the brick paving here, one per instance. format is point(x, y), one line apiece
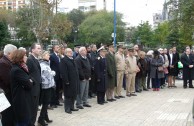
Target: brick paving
point(168, 107)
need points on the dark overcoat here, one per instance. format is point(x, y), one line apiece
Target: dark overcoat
point(111, 71)
point(70, 77)
point(100, 69)
point(21, 93)
point(188, 73)
point(35, 73)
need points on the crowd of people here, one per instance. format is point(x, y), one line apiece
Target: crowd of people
point(41, 78)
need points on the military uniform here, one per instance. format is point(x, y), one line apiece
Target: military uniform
point(120, 64)
point(111, 76)
point(101, 76)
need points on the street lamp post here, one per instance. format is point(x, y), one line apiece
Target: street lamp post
point(115, 23)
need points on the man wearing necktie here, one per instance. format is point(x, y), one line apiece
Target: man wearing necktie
point(54, 64)
point(187, 60)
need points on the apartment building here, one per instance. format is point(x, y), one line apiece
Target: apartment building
point(12, 5)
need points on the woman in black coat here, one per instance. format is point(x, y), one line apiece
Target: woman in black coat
point(21, 85)
point(70, 80)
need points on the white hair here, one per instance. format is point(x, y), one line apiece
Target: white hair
point(22, 48)
point(67, 50)
point(81, 49)
point(9, 48)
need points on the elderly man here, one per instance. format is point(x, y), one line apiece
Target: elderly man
point(5, 68)
point(70, 79)
point(84, 69)
point(35, 72)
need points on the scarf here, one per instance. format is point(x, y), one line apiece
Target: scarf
point(25, 67)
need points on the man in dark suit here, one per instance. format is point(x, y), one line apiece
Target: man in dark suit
point(100, 69)
point(187, 60)
point(35, 73)
point(54, 64)
point(5, 84)
point(70, 79)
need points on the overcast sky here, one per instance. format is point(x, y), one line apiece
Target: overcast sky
point(134, 11)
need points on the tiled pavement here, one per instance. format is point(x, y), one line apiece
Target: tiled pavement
point(168, 107)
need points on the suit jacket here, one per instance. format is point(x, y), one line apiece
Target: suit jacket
point(188, 73)
point(54, 64)
point(70, 77)
point(35, 74)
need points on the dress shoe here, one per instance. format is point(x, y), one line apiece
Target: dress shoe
point(50, 108)
point(110, 100)
point(145, 89)
point(68, 111)
point(128, 95)
point(49, 121)
point(74, 109)
point(138, 91)
point(100, 103)
point(105, 102)
point(42, 123)
point(113, 99)
point(80, 107)
point(121, 96)
point(54, 106)
point(117, 97)
point(87, 105)
point(59, 104)
point(133, 94)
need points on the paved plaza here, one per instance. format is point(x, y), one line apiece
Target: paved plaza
point(168, 107)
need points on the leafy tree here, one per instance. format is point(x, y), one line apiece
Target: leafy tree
point(161, 33)
point(60, 26)
point(99, 27)
point(182, 23)
point(4, 34)
point(143, 34)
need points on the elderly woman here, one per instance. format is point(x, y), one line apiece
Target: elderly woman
point(156, 70)
point(21, 85)
point(47, 84)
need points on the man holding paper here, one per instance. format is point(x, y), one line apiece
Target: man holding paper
point(5, 68)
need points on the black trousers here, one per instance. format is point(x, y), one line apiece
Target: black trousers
point(69, 103)
point(100, 97)
point(7, 114)
point(92, 85)
point(185, 81)
point(34, 109)
point(43, 113)
point(148, 80)
point(56, 95)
